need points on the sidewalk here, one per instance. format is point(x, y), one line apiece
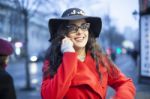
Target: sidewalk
point(143, 91)
point(26, 94)
point(143, 95)
point(127, 65)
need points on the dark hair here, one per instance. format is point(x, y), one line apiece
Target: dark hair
point(54, 54)
point(2, 60)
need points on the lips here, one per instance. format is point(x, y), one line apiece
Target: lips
point(79, 39)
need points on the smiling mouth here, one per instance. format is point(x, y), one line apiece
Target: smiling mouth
point(79, 39)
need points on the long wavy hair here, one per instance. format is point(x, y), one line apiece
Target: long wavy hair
point(54, 54)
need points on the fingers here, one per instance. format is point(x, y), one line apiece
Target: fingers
point(67, 40)
point(67, 45)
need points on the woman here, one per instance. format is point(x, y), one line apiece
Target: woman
point(7, 90)
point(75, 66)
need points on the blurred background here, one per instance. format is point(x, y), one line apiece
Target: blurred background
point(125, 37)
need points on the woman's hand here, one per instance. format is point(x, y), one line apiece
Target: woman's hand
point(67, 45)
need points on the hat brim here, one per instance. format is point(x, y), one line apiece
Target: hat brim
point(96, 24)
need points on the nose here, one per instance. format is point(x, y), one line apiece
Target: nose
point(79, 31)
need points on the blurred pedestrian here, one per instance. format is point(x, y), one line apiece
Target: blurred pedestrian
point(135, 55)
point(7, 90)
point(75, 66)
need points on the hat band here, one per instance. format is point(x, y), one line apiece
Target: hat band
point(74, 12)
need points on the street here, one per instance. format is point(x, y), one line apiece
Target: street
point(17, 70)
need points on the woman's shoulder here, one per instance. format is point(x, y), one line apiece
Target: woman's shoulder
point(5, 76)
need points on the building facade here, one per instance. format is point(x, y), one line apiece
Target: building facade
point(12, 28)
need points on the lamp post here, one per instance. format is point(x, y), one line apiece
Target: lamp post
point(28, 85)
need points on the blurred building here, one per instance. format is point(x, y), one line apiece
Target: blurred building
point(144, 73)
point(38, 35)
point(12, 28)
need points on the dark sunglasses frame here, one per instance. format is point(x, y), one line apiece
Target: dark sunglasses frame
point(72, 28)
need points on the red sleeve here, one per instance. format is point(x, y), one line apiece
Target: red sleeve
point(124, 86)
point(56, 87)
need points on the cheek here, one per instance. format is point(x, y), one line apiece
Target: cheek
point(71, 37)
point(87, 35)
point(7, 60)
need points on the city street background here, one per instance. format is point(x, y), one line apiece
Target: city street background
point(125, 37)
point(123, 61)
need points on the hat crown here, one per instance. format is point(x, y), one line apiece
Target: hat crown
point(73, 12)
point(5, 47)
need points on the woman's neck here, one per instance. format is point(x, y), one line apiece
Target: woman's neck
point(81, 53)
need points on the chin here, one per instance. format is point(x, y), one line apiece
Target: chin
point(78, 46)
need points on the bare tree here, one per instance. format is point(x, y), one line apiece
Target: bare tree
point(28, 9)
point(23, 7)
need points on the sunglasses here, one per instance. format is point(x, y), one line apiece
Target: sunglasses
point(72, 28)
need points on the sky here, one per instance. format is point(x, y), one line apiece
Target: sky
point(121, 11)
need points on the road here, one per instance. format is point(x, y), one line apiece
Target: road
point(17, 70)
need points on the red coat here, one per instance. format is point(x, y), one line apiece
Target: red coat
point(79, 80)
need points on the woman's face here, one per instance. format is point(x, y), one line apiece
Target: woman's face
point(78, 33)
point(7, 60)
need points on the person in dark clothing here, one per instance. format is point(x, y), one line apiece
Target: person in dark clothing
point(7, 90)
point(134, 55)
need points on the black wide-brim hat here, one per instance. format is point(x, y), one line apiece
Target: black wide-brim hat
point(5, 47)
point(75, 14)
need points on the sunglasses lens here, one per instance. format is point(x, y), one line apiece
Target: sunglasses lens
point(73, 28)
point(85, 26)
